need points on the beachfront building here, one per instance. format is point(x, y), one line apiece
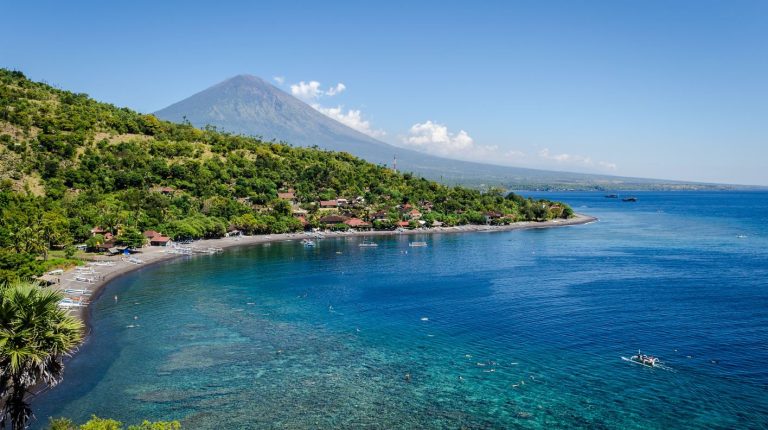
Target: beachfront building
point(149, 234)
point(160, 241)
point(358, 224)
point(156, 238)
point(333, 219)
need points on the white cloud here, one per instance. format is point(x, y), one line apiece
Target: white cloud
point(435, 138)
point(311, 91)
point(336, 90)
point(279, 79)
point(575, 160)
point(307, 90)
point(432, 136)
point(352, 118)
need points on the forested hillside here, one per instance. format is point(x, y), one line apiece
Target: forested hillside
point(69, 164)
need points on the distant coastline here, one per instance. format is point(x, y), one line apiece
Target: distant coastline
point(153, 255)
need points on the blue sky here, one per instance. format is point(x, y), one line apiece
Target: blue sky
point(668, 89)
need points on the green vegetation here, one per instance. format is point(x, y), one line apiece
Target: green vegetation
point(69, 163)
point(97, 423)
point(35, 335)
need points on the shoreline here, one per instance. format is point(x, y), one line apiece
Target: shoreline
point(153, 255)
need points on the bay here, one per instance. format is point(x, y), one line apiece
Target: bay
point(522, 329)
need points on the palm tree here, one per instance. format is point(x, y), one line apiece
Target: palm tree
point(35, 335)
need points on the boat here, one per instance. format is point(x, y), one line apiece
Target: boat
point(417, 244)
point(644, 360)
point(78, 292)
point(629, 199)
point(72, 303)
point(101, 263)
point(612, 196)
point(368, 244)
point(308, 242)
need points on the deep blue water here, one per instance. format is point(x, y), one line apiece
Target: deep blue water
point(520, 329)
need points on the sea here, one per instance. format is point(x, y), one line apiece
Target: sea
point(521, 329)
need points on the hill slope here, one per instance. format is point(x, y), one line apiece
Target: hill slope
point(71, 164)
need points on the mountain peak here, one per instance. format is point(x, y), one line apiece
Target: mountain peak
point(247, 104)
point(245, 79)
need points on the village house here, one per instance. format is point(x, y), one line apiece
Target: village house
point(357, 223)
point(414, 214)
point(156, 239)
point(288, 195)
point(149, 234)
point(333, 219)
point(160, 241)
point(490, 216)
point(329, 203)
point(403, 224)
point(380, 215)
point(164, 190)
point(97, 230)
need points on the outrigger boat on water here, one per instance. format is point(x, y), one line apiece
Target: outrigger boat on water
point(644, 360)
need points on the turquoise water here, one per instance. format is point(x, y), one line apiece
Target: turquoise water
point(520, 329)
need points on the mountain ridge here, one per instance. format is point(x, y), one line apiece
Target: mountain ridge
point(247, 104)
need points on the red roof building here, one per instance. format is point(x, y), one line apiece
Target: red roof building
point(357, 223)
point(414, 214)
point(149, 234)
point(405, 224)
point(329, 203)
point(159, 240)
point(333, 219)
